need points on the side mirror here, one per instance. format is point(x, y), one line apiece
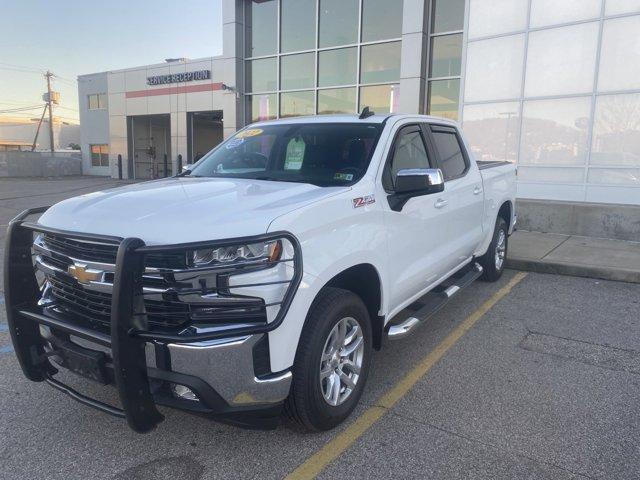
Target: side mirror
point(419, 181)
point(415, 182)
point(187, 167)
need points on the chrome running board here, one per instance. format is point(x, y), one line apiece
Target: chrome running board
point(433, 301)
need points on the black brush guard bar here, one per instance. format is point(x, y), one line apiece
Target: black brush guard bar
point(128, 335)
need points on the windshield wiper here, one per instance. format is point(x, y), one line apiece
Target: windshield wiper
point(289, 180)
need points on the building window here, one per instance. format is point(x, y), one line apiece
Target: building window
point(97, 101)
point(297, 25)
point(262, 107)
point(555, 132)
point(380, 98)
point(295, 104)
point(380, 63)
point(328, 56)
point(445, 58)
point(503, 81)
point(447, 16)
point(337, 67)
point(297, 71)
point(337, 100)
point(261, 27)
point(492, 130)
point(620, 56)
point(444, 98)
point(99, 155)
point(381, 20)
point(496, 17)
point(261, 75)
point(561, 61)
point(338, 22)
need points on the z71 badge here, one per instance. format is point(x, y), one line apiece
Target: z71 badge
point(362, 201)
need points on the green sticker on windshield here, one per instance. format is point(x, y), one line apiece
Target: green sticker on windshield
point(295, 154)
point(347, 177)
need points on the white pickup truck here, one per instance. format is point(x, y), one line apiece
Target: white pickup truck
point(259, 280)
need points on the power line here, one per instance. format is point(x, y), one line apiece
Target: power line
point(22, 67)
point(16, 103)
point(12, 110)
point(67, 108)
point(65, 79)
point(19, 70)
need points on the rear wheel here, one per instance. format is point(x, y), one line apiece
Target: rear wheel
point(493, 261)
point(332, 362)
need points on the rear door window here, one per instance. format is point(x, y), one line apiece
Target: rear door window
point(451, 159)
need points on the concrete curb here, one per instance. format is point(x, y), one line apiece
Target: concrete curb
point(575, 270)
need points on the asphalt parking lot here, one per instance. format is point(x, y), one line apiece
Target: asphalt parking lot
point(535, 376)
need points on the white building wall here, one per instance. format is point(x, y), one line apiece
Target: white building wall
point(555, 86)
point(129, 95)
point(94, 124)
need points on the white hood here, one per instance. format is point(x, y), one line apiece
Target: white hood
point(179, 210)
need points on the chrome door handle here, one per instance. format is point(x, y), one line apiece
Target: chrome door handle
point(477, 190)
point(440, 203)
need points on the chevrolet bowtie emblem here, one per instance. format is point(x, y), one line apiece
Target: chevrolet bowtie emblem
point(83, 274)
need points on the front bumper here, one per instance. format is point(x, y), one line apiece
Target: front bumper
point(226, 370)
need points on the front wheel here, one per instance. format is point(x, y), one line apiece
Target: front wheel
point(332, 362)
point(494, 260)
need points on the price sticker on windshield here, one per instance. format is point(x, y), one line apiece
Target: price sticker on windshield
point(252, 132)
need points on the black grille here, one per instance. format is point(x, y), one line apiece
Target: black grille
point(96, 252)
point(95, 307)
point(106, 253)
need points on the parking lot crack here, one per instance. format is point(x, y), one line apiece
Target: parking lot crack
point(589, 353)
point(490, 445)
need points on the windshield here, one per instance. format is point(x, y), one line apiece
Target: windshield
point(321, 154)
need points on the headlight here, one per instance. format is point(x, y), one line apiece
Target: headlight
point(262, 251)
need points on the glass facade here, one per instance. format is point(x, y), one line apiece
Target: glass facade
point(298, 71)
point(337, 67)
point(337, 100)
point(381, 20)
point(380, 62)
point(321, 56)
point(294, 104)
point(298, 30)
point(555, 87)
point(445, 58)
point(380, 98)
point(260, 23)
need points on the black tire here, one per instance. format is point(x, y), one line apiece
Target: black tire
point(491, 272)
point(306, 407)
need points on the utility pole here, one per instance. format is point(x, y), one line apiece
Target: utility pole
point(48, 76)
point(35, 139)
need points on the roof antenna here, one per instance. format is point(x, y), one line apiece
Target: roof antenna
point(366, 113)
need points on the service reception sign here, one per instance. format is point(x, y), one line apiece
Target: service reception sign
point(179, 77)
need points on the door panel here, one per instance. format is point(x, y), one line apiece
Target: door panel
point(415, 233)
point(463, 195)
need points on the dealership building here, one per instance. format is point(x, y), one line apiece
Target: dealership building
point(553, 85)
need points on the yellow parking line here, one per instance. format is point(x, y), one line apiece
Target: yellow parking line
point(334, 448)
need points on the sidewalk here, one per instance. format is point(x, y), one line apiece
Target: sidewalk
point(573, 255)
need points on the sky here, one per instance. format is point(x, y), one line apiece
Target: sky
point(76, 37)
